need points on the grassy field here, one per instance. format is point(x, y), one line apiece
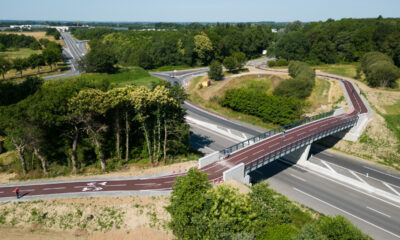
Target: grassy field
point(346, 70)
point(12, 75)
point(22, 53)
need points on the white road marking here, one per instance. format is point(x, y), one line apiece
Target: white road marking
point(378, 212)
point(144, 184)
point(347, 213)
point(301, 179)
point(358, 177)
point(391, 188)
point(80, 186)
point(345, 185)
point(381, 172)
point(117, 185)
point(57, 188)
point(1, 192)
point(27, 190)
point(169, 182)
point(262, 150)
point(327, 165)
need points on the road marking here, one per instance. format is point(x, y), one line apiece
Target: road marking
point(345, 185)
point(144, 184)
point(301, 179)
point(57, 188)
point(262, 150)
point(169, 182)
point(80, 186)
point(27, 190)
point(381, 172)
point(391, 188)
point(116, 185)
point(347, 213)
point(358, 177)
point(327, 165)
point(1, 192)
point(378, 212)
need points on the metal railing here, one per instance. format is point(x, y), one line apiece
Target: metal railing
point(273, 132)
point(271, 155)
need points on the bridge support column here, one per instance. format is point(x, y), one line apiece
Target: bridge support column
point(237, 172)
point(300, 156)
point(209, 159)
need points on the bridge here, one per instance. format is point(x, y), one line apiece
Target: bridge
point(245, 157)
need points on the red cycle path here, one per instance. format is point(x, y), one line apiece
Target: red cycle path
point(214, 171)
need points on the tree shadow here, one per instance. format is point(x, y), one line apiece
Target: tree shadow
point(198, 141)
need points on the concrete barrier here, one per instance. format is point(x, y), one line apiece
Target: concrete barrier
point(237, 172)
point(209, 159)
point(338, 112)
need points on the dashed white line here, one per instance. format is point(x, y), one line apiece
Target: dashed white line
point(144, 184)
point(262, 150)
point(346, 212)
point(301, 179)
point(27, 190)
point(56, 188)
point(391, 188)
point(358, 177)
point(378, 212)
point(1, 192)
point(327, 165)
point(381, 172)
point(116, 185)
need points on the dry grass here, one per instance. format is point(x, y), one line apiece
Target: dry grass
point(87, 218)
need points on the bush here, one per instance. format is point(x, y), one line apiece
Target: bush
point(273, 109)
point(278, 63)
point(302, 83)
point(35, 46)
point(379, 70)
point(338, 228)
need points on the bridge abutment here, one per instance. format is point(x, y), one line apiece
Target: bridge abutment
point(238, 173)
point(208, 159)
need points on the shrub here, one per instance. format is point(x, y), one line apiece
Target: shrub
point(215, 72)
point(379, 70)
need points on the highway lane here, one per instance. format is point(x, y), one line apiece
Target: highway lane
point(377, 217)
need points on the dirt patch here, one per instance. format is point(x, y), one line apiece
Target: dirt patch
point(244, 189)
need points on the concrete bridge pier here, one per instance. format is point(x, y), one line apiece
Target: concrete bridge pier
point(300, 156)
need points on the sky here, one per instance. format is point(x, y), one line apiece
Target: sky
point(196, 11)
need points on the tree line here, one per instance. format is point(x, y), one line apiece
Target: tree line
point(17, 41)
point(345, 40)
point(192, 47)
point(75, 123)
point(199, 211)
point(50, 56)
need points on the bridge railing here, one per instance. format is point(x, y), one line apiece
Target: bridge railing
point(273, 132)
point(269, 156)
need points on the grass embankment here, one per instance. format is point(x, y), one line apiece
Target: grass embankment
point(21, 53)
point(126, 76)
point(325, 96)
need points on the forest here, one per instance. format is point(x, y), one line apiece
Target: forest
point(186, 46)
point(342, 41)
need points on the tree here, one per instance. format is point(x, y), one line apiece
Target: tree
point(20, 64)
point(187, 203)
point(51, 56)
point(379, 70)
point(336, 228)
point(230, 63)
point(2, 47)
point(90, 106)
point(203, 47)
point(35, 46)
point(215, 71)
point(100, 59)
point(5, 66)
point(310, 231)
point(240, 59)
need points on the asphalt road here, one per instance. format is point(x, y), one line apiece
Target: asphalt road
point(377, 217)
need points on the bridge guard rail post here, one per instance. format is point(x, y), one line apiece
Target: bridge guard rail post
point(237, 173)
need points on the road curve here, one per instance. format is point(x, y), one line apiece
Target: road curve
point(214, 171)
